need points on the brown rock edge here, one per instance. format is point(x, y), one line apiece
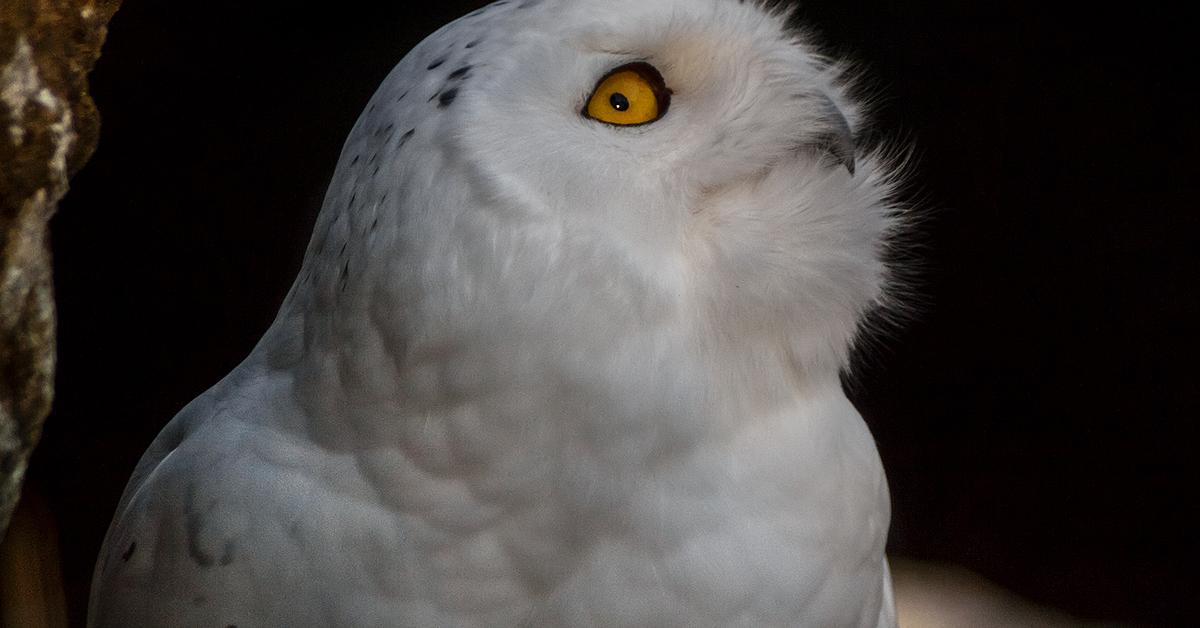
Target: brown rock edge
point(48, 129)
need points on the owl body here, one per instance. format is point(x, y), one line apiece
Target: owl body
point(541, 369)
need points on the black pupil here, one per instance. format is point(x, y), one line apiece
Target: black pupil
point(619, 101)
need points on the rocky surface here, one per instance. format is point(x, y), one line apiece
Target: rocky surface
point(48, 130)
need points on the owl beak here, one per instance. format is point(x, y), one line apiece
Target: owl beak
point(835, 138)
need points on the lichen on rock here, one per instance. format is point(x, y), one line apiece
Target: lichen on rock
point(48, 130)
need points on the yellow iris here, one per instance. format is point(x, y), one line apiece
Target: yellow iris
point(629, 95)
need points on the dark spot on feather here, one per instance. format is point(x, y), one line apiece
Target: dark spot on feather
point(404, 138)
point(375, 172)
point(343, 251)
point(129, 552)
point(375, 224)
point(194, 521)
point(447, 97)
point(355, 160)
point(293, 532)
point(227, 553)
point(401, 96)
point(436, 63)
point(459, 73)
point(473, 43)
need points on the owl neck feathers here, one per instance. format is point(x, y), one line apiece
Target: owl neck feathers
point(762, 298)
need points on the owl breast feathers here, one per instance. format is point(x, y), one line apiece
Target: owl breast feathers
point(564, 350)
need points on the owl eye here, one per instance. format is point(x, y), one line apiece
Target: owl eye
point(629, 95)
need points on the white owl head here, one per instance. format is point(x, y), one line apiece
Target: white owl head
point(483, 203)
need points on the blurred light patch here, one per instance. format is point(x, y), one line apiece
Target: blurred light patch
point(31, 583)
point(929, 595)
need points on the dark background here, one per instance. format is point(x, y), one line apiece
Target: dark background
point(1036, 417)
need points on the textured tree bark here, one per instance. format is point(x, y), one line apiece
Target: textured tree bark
point(48, 130)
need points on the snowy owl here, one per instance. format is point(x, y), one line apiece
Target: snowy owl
point(564, 351)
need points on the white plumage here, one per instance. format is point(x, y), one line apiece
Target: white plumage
point(541, 370)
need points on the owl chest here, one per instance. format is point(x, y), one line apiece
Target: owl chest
point(781, 524)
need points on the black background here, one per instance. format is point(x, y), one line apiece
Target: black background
point(1036, 416)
